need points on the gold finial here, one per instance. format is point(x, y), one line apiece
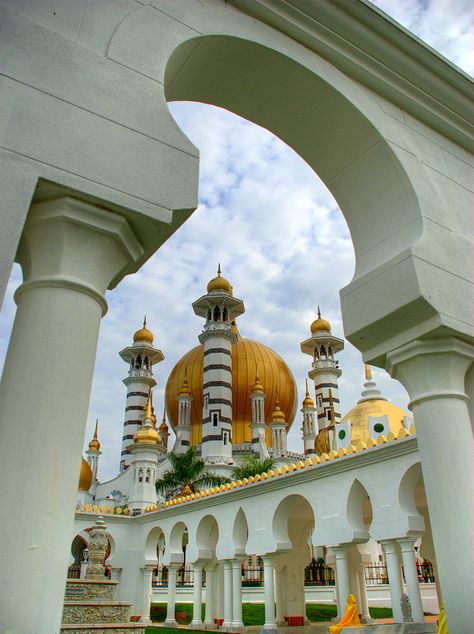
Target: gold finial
point(319, 312)
point(94, 444)
point(308, 401)
point(144, 321)
point(185, 389)
point(307, 391)
point(149, 408)
point(143, 334)
point(368, 372)
point(219, 270)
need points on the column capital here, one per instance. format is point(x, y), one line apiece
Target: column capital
point(69, 243)
point(407, 543)
point(448, 359)
point(389, 546)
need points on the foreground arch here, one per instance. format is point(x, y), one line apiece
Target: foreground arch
point(395, 159)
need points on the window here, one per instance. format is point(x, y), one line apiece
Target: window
point(226, 438)
point(215, 419)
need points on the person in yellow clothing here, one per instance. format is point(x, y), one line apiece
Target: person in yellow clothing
point(351, 617)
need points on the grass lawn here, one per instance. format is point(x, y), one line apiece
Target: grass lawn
point(252, 614)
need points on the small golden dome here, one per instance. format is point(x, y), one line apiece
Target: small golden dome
point(278, 416)
point(164, 427)
point(85, 477)
point(308, 401)
point(185, 389)
point(219, 283)
point(94, 444)
point(147, 435)
point(257, 387)
point(143, 334)
point(376, 407)
point(320, 324)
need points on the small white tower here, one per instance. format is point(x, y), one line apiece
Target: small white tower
point(258, 427)
point(322, 346)
point(278, 427)
point(141, 357)
point(219, 308)
point(144, 452)
point(93, 453)
point(309, 424)
point(183, 428)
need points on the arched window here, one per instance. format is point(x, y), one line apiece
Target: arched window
point(224, 314)
point(217, 313)
point(215, 419)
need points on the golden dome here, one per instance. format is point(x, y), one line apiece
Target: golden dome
point(359, 418)
point(147, 435)
point(248, 359)
point(219, 283)
point(85, 477)
point(320, 324)
point(143, 334)
point(278, 416)
point(308, 401)
point(94, 444)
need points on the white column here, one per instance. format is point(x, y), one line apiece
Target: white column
point(209, 614)
point(227, 594)
point(342, 578)
point(196, 623)
point(70, 252)
point(146, 597)
point(390, 549)
point(270, 620)
point(433, 372)
point(279, 596)
point(170, 616)
point(237, 623)
point(411, 578)
point(364, 603)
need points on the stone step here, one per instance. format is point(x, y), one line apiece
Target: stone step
point(85, 590)
point(97, 628)
point(96, 612)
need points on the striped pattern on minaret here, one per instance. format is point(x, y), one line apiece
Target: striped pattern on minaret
point(325, 372)
point(219, 308)
point(141, 357)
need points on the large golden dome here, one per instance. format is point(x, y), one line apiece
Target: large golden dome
point(85, 477)
point(359, 418)
point(249, 359)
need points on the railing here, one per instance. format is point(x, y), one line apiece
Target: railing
point(252, 576)
point(376, 573)
point(318, 574)
point(184, 577)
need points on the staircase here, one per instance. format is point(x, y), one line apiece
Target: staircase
point(91, 607)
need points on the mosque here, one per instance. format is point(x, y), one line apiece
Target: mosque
point(228, 397)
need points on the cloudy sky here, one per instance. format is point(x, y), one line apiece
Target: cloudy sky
point(249, 182)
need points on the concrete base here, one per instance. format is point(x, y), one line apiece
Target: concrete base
point(171, 623)
point(196, 625)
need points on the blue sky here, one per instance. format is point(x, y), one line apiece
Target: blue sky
point(249, 183)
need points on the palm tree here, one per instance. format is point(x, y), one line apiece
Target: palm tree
point(188, 472)
point(251, 465)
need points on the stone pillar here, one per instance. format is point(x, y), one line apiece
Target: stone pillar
point(70, 252)
point(196, 623)
point(209, 614)
point(390, 549)
point(170, 616)
point(411, 578)
point(146, 596)
point(342, 578)
point(364, 603)
point(279, 596)
point(433, 373)
point(270, 620)
point(98, 540)
point(227, 594)
point(237, 623)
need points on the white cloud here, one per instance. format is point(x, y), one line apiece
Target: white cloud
point(278, 234)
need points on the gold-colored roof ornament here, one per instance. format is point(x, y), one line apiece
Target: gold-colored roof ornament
point(143, 334)
point(164, 427)
point(308, 401)
point(320, 324)
point(85, 477)
point(278, 415)
point(150, 410)
point(148, 434)
point(220, 284)
point(185, 389)
point(368, 372)
point(257, 387)
point(94, 444)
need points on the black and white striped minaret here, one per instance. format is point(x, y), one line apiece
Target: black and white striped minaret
point(141, 357)
point(219, 308)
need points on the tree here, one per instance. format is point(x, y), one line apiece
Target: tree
point(251, 465)
point(189, 472)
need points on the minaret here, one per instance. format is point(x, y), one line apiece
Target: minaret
point(144, 453)
point(183, 428)
point(309, 424)
point(322, 346)
point(258, 427)
point(219, 308)
point(141, 357)
point(94, 452)
point(278, 427)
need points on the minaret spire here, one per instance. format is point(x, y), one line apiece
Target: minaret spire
point(323, 346)
point(309, 426)
point(94, 452)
